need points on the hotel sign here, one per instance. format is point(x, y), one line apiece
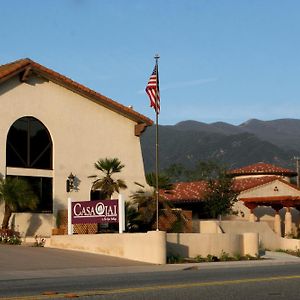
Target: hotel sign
point(105, 211)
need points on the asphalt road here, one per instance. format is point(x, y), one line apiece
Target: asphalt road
point(88, 276)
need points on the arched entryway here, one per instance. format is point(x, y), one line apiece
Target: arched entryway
point(277, 203)
point(29, 155)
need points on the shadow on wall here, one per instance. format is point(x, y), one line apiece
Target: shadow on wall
point(35, 222)
point(177, 249)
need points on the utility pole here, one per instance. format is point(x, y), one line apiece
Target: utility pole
point(297, 158)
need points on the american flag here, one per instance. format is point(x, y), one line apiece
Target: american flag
point(152, 89)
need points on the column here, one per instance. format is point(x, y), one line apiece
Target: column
point(252, 217)
point(277, 219)
point(277, 223)
point(288, 222)
point(251, 206)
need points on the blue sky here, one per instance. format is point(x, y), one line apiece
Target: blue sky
point(221, 60)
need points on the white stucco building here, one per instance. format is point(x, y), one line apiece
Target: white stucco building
point(51, 126)
point(265, 193)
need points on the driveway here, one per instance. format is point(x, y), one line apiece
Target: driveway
point(18, 261)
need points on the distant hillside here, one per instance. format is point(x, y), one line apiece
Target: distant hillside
point(187, 142)
point(283, 132)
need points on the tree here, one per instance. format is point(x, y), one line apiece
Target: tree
point(205, 170)
point(163, 181)
point(105, 183)
point(144, 199)
point(220, 196)
point(16, 194)
point(176, 172)
point(144, 202)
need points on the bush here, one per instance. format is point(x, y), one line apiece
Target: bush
point(225, 256)
point(291, 252)
point(9, 236)
point(237, 256)
point(199, 258)
point(174, 259)
point(211, 258)
point(39, 241)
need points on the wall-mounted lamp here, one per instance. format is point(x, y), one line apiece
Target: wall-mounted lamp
point(70, 183)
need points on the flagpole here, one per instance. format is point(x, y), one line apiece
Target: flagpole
point(156, 152)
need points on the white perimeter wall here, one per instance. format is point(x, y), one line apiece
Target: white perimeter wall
point(146, 247)
point(194, 244)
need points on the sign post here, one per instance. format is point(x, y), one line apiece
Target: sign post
point(121, 214)
point(70, 225)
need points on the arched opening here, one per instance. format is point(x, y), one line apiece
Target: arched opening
point(29, 146)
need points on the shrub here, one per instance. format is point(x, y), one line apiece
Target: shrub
point(225, 256)
point(39, 241)
point(9, 236)
point(291, 252)
point(174, 259)
point(237, 256)
point(211, 258)
point(199, 258)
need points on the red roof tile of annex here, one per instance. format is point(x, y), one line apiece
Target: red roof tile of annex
point(12, 69)
point(262, 168)
point(186, 192)
point(195, 191)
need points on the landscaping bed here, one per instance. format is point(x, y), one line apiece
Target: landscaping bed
point(175, 259)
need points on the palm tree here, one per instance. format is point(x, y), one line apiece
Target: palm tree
point(163, 181)
point(16, 194)
point(106, 183)
point(145, 200)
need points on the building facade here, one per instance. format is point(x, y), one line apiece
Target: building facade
point(50, 127)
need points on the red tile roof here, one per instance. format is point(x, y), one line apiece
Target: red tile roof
point(262, 169)
point(12, 69)
point(244, 184)
point(195, 191)
point(186, 192)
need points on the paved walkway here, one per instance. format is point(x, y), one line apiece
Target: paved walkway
point(18, 262)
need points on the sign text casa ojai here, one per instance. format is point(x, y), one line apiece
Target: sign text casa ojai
point(104, 211)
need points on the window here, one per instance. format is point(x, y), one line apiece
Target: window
point(29, 145)
point(42, 187)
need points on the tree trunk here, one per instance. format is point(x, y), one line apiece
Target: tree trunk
point(6, 217)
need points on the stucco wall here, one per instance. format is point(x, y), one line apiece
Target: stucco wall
point(194, 244)
point(81, 130)
point(147, 247)
point(153, 246)
point(267, 238)
point(207, 226)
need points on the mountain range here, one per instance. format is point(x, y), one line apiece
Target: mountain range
point(276, 142)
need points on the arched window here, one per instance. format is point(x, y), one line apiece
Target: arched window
point(28, 145)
